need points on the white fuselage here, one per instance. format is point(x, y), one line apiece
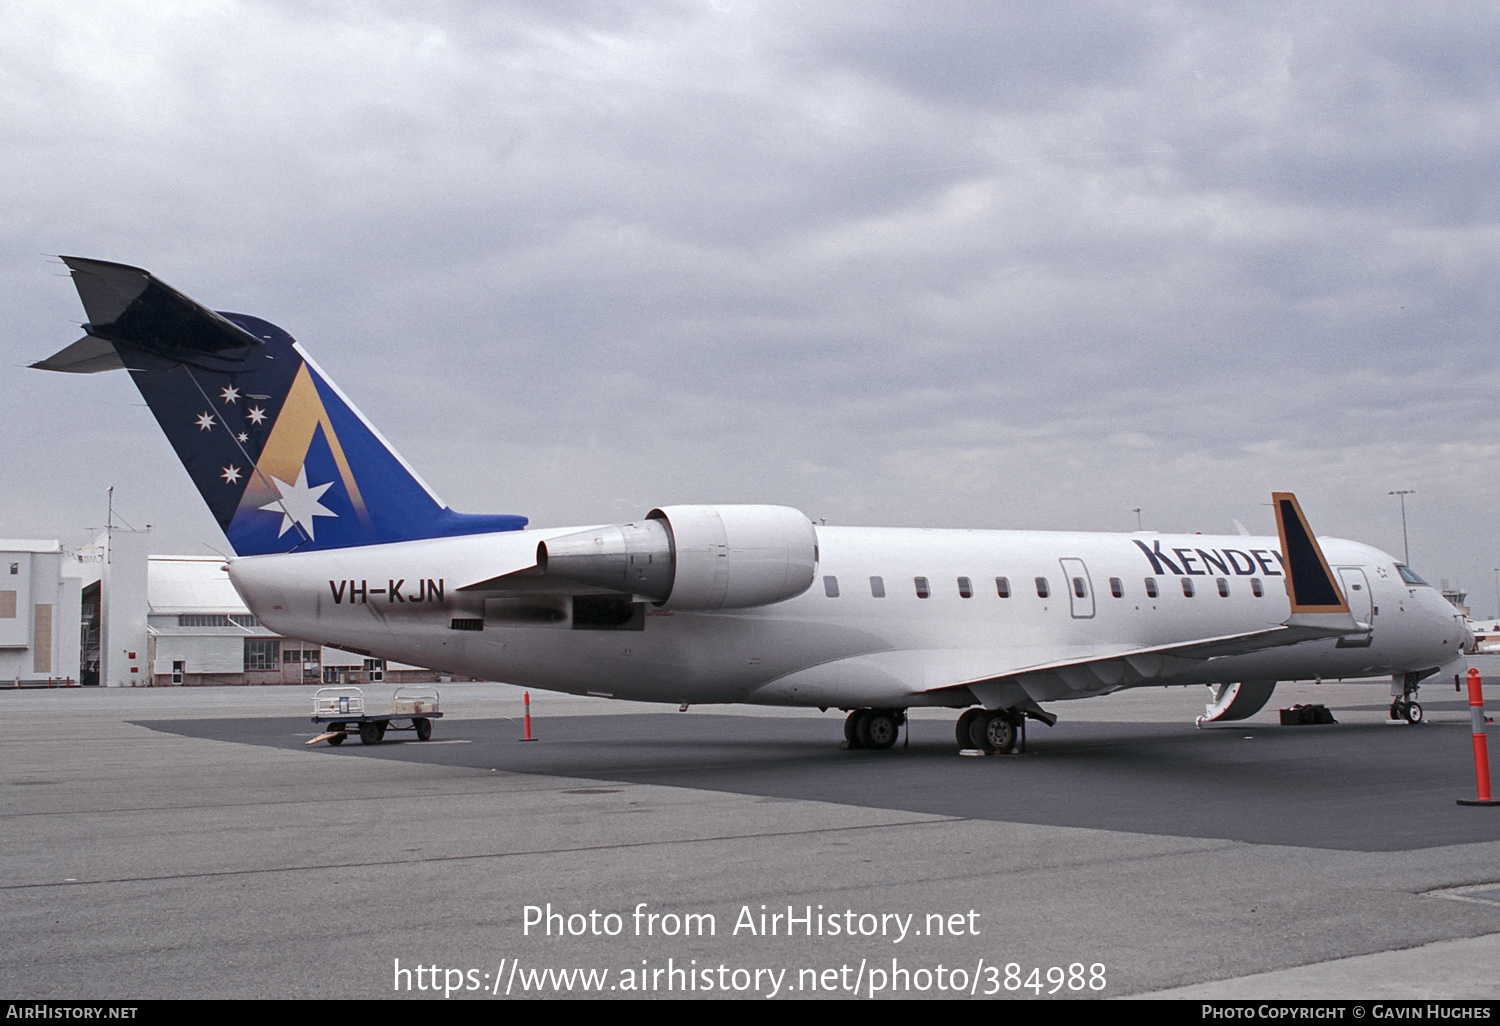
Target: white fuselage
point(853, 649)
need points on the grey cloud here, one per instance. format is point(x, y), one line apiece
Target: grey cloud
point(998, 265)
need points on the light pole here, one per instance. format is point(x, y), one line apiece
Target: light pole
point(1497, 593)
point(1137, 512)
point(1405, 548)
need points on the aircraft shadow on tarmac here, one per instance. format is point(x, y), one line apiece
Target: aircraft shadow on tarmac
point(1359, 787)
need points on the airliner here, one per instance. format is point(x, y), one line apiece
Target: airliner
point(338, 541)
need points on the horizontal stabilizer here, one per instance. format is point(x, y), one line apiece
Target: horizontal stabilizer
point(130, 307)
point(89, 355)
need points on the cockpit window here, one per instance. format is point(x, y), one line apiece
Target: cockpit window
point(1409, 576)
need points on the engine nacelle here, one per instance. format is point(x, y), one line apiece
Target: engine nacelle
point(694, 557)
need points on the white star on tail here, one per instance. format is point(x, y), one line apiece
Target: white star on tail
point(205, 421)
point(299, 503)
point(231, 474)
point(257, 415)
point(230, 394)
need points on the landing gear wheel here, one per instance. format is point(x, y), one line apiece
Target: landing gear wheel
point(996, 734)
point(337, 739)
point(878, 729)
point(1398, 712)
point(851, 729)
point(1413, 713)
point(369, 733)
point(424, 727)
point(961, 728)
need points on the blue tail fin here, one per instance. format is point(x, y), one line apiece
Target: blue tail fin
point(282, 458)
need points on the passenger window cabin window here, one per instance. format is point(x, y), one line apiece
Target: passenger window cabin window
point(1187, 587)
point(922, 589)
point(1002, 587)
point(1117, 587)
point(1042, 589)
point(1223, 588)
point(1080, 588)
point(1151, 587)
point(965, 588)
point(1255, 587)
point(877, 587)
point(831, 587)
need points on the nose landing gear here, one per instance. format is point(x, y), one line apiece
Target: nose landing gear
point(1411, 712)
point(1405, 707)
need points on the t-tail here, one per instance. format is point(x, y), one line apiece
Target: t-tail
point(283, 459)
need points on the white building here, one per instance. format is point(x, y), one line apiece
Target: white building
point(40, 613)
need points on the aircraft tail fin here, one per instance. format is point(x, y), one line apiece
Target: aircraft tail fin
point(282, 458)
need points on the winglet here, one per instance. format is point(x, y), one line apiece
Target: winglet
point(1316, 598)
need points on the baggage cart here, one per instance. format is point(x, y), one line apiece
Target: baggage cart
point(343, 710)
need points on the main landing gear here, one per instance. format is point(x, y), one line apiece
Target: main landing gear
point(999, 732)
point(873, 728)
point(994, 733)
point(1405, 706)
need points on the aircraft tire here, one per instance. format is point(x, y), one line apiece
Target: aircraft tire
point(878, 729)
point(976, 732)
point(424, 727)
point(851, 729)
point(1413, 713)
point(1397, 712)
point(1001, 733)
point(337, 739)
point(995, 734)
point(961, 728)
point(369, 734)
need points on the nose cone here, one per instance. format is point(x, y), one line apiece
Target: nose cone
point(1448, 624)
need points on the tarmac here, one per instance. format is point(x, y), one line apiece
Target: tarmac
point(189, 843)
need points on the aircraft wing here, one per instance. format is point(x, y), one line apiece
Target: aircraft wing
point(1131, 667)
point(1002, 678)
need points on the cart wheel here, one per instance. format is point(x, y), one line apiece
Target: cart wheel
point(337, 739)
point(381, 725)
point(369, 733)
point(424, 727)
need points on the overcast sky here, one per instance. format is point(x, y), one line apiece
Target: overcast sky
point(1013, 265)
